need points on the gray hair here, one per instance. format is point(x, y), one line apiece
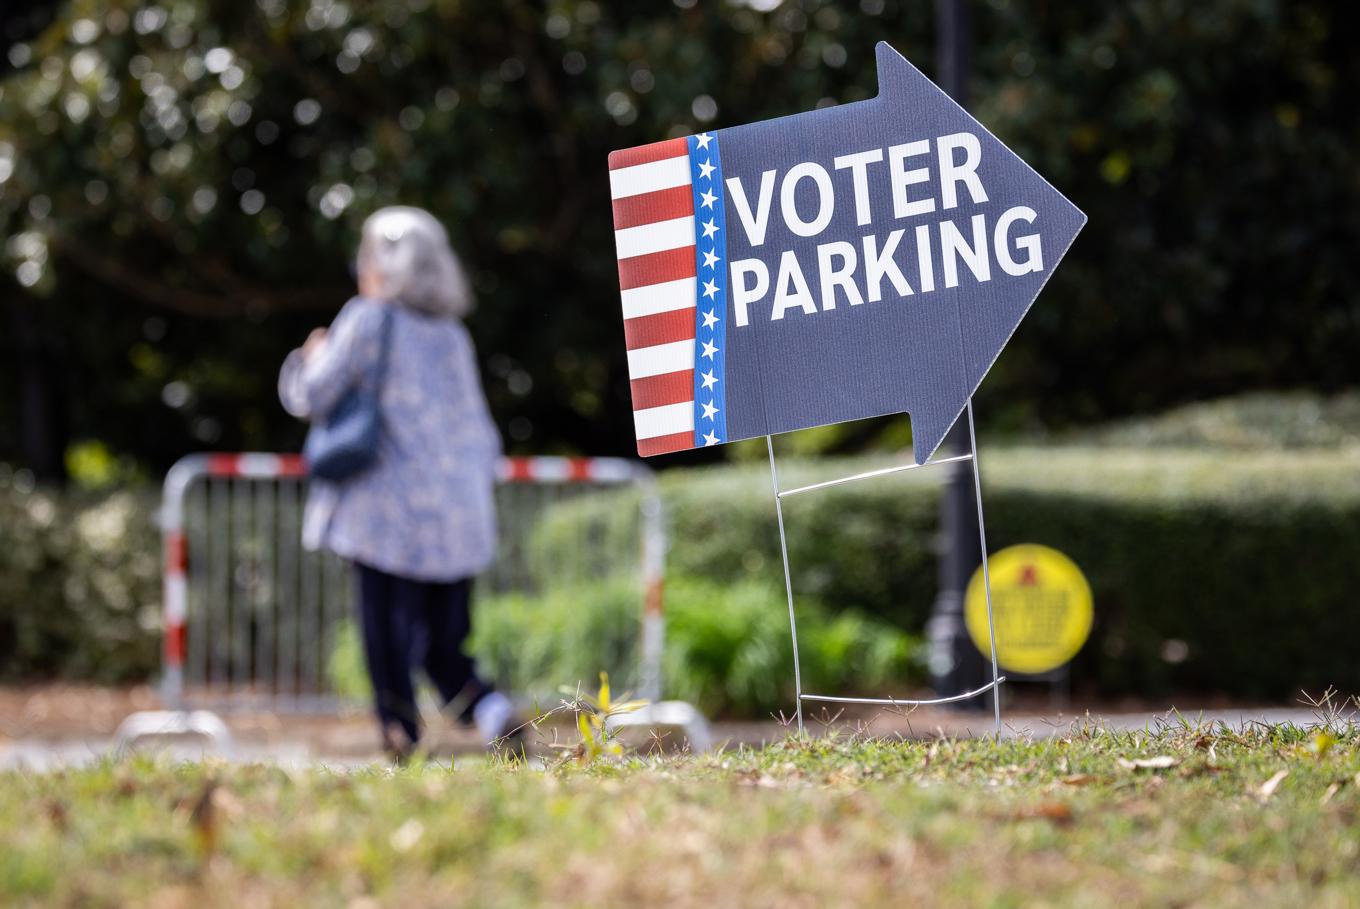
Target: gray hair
point(409, 252)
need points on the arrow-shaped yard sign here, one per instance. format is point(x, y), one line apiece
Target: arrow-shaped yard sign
point(862, 260)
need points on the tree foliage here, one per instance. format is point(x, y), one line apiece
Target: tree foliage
point(181, 185)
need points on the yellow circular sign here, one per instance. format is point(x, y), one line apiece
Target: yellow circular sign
point(1041, 604)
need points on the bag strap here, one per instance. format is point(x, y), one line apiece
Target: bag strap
point(384, 344)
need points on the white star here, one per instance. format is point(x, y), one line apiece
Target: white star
point(705, 169)
point(710, 349)
point(710, 319)
point(709, 410)
point(708, 199)
point(710, 228)
point(710, 259)
point(704, 139)
point(709, 380)
point(710, 438)
point(710, 288)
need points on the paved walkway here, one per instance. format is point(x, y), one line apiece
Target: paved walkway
point(347, 742)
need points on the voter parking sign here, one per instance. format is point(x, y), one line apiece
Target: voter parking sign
point(856, 261)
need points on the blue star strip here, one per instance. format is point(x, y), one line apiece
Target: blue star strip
point(710, 311)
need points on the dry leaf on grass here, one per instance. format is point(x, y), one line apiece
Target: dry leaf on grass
point(1057, 812)
point(1160, 762)
point(56, 813)
point(1078, 779)
point(203, 819)
point(1269, 786)
point(763, 781)
point(1202, 769)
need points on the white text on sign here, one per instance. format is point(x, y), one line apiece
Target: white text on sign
point(856, 272)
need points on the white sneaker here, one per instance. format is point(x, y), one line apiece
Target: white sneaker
point(493, 715)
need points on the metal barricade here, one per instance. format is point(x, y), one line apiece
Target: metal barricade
point(251, 618)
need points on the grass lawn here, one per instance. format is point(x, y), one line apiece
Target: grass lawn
point(1178, 816)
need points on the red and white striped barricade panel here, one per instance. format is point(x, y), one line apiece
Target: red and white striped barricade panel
point(252, 620)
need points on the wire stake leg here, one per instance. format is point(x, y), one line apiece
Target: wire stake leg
point(788, 583)
point(986, 575)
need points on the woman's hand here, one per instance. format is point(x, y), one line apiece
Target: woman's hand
point(315, 341)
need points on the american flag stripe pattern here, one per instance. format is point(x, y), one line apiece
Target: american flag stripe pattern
point(670, 237)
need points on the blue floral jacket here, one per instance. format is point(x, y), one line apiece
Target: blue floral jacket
point(425, 510)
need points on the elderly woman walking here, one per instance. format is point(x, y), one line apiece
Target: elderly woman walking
point(418, 518)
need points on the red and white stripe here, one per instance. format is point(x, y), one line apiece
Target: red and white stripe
point(175, 590)
point(256, 464)
point(541, 469)
point(549, 469)
point(654, 237)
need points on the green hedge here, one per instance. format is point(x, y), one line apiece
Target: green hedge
point(1262, 421)
point(727, 646)
point(1250, 559)
point(79, 586)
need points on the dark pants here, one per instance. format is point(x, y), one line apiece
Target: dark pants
point(416, 623)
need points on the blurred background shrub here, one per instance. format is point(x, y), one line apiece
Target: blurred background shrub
point(727, 645)
point(80, 580)
point(1215, 569)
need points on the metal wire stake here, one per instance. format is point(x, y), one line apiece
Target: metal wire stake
point(986, 575)
point(788, 583)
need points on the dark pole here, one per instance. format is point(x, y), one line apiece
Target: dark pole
point(42, 436)
point(951, 48)
point(955, 664)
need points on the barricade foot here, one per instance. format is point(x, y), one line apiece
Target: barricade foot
point(192, 732)
point(669, 725)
